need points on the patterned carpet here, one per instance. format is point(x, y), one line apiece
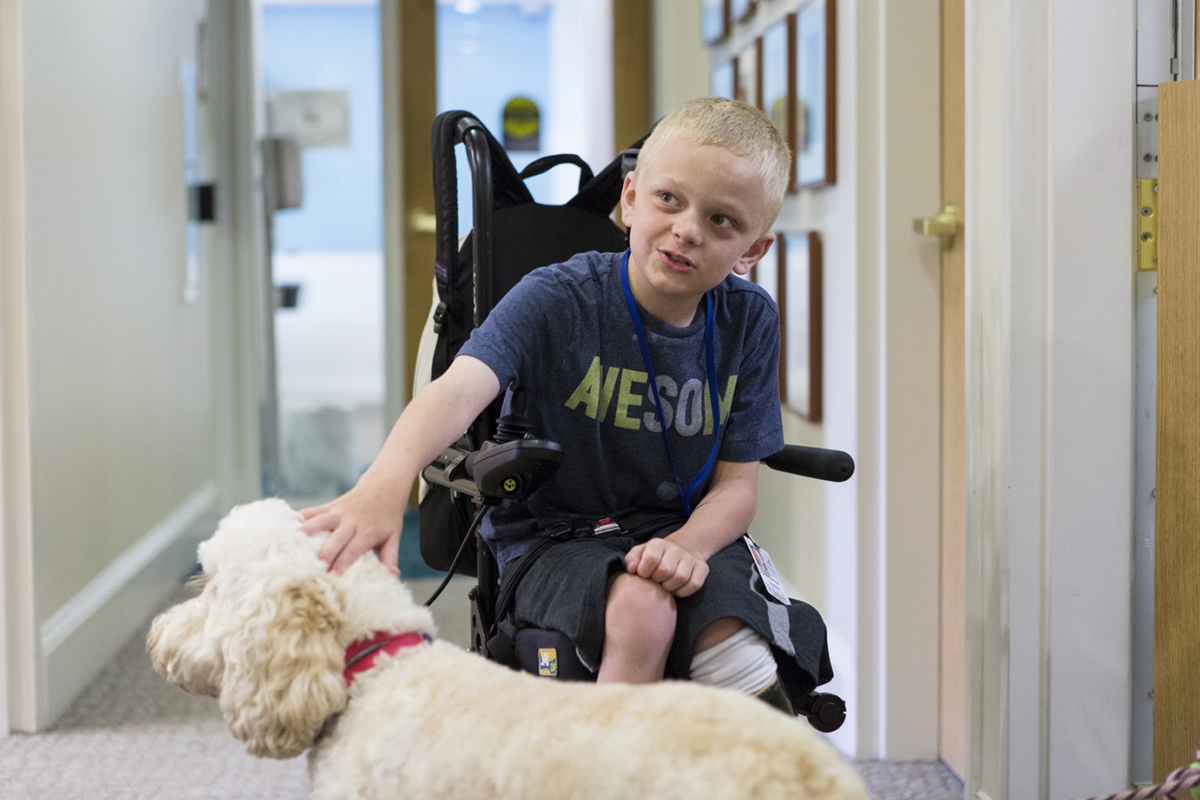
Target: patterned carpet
point(131, 735)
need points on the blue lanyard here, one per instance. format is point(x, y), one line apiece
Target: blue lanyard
point(710, 358)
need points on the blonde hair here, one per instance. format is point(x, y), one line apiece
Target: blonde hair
point(742, 130)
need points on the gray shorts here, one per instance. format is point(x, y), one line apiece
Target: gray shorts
point(566, 588)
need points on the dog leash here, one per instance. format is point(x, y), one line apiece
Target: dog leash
point(1183, 778)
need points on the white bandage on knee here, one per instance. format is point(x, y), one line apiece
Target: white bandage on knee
point(743, 662)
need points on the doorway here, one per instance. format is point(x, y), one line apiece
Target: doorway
point(321, 74)
point(538, 74)
point(337, 316)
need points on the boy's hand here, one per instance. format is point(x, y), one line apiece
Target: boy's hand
point(668, 564)
point(370, 515)
point(358, 521)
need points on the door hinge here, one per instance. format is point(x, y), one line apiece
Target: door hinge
point(1147, 131)
point(1147, 224)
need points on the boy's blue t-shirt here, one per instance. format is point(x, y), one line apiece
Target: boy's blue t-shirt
point(564, 335)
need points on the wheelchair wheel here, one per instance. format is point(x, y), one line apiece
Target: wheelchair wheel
point(825, 712)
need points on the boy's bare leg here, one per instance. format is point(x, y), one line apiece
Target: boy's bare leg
point(639, 623)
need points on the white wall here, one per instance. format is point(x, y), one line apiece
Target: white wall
point(122, 459)
point(680, 65)
point(581, 87)
point(120, 364)
point(863, 552)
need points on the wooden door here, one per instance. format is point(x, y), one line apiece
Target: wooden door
point(418, 107)
point(952, 725)
point(1177, 478)
point(632, 70)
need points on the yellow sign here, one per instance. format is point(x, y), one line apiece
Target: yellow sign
point(522, 124)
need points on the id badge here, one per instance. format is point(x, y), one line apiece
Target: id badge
point(766, 570)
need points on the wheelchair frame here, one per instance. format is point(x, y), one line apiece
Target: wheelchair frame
point(523, 461)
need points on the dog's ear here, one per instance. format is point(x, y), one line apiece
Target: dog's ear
point(283, 670)
point(181, 653)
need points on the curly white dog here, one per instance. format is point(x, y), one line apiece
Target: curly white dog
point(271, 634)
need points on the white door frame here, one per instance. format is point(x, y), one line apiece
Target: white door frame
point(249, 126)
point(397, 375)
point(1049, 170)
point(242, 342)
point(18, 629)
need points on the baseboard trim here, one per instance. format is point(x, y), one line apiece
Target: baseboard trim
point(81, 637)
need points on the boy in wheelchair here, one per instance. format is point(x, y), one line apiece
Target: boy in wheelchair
point(657, 371)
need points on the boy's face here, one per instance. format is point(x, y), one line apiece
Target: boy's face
point(694, 214)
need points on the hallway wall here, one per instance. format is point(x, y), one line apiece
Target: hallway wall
point(123, 457)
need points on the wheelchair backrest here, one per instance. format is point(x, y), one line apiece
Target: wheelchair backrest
point(510, 236)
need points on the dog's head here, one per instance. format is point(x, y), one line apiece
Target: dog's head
point(267, 633)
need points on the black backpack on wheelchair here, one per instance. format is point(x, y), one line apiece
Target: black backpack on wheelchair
point(499, 458)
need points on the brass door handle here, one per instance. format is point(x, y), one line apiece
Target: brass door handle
point(946, 225)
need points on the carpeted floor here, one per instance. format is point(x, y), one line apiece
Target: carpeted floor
point(131, 735)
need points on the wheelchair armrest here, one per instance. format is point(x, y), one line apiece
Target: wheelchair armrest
point(812, 462)
point(514, 469)
point(450, 470)
point(496, 471)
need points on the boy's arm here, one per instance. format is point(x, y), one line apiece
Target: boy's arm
point(371, 514)
point(679, 561)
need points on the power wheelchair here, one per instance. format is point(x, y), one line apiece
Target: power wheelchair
point(500, 458)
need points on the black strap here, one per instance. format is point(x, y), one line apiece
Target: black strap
point(514, 575)
point(508, 188)
point(546, 163)
point(602, 193)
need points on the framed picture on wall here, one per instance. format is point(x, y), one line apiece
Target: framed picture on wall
point(801, 312)
point(767, 273)
point(714, 20)
point(723, 80)
point(816, 83)
point(749, 74)
point(779, 80)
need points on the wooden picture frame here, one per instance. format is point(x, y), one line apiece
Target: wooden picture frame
point(778, 92)
point(816, 90)
point(723, 79)
point(800, 261)
point(714, 20)
point(768, 273)
point(749, 74)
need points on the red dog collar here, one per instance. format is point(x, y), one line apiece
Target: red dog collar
point(360, 656)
